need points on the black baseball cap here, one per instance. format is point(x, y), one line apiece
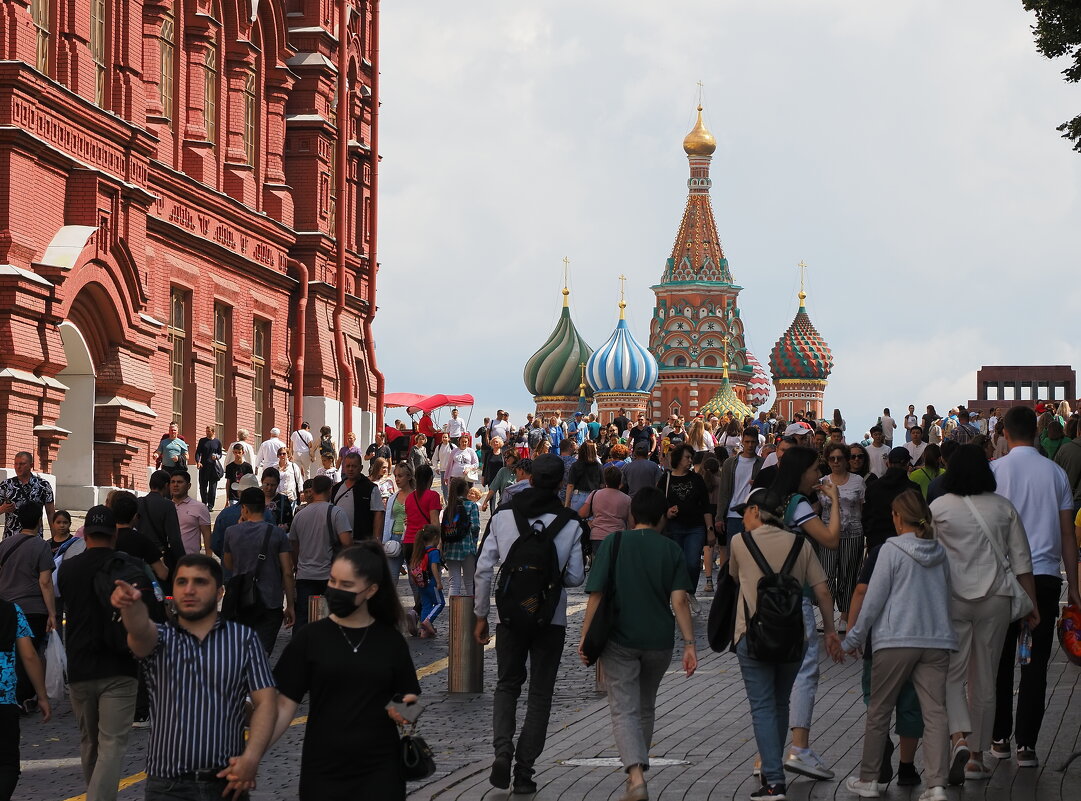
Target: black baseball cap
point(899, 456)
point(100, 520)
point(756, 498)
point(547, 471)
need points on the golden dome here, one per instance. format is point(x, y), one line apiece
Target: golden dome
point(699, 142)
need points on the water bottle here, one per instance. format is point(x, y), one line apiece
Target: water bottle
point(1024, 645)
point(158, 594)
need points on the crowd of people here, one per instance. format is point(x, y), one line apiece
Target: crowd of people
point(931, 559)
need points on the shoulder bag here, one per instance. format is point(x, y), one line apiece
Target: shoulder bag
point(604, 618)
point(721, 626)
point(418, 761)
point(1020, 603)
point(243, 601)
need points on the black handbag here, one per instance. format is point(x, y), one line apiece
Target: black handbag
point(243, 602)
point(604, 618)
point(721, 627)
point(418, 761)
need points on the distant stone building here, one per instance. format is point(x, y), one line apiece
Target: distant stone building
point(188, 213)
point(1005, 386)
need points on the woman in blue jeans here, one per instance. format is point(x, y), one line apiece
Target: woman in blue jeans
point(689, 514)
point(797, 480)
point(769, 684)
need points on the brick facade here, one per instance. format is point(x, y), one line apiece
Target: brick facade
point(167, 226)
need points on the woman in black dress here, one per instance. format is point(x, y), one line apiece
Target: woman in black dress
point(352, 664)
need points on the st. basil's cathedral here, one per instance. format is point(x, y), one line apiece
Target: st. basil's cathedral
point(697, 360)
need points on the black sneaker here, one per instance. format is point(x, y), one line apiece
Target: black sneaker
point(885, 772)
point(775, 792)
point(524, 786)
point(500, 777)
point(907, 775)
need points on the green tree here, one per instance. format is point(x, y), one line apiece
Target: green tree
point(1058, 33)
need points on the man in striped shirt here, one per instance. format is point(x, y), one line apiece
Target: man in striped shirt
point(199, 671)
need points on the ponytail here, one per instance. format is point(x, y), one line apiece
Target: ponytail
point(914, 512)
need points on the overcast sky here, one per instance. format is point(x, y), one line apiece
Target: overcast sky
point(906, 151)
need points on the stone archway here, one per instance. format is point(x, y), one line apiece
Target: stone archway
point(74, 464)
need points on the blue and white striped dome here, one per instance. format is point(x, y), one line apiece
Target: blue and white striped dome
point(621, 364)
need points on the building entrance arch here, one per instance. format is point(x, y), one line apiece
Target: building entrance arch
point(74, 465)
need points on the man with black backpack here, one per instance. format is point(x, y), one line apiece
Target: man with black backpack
point(536, 541)
point(258, 553)
point(101, 669)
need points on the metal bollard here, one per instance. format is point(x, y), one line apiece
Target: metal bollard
point(465, 669)
point(600, 687)
point(317, 608)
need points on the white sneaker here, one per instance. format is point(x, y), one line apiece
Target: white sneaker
point(861, 788)
point(937, 793)
point(807, 764)
point(1000, 749)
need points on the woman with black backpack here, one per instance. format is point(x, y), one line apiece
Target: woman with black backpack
point(461, 525)
point(769, 634)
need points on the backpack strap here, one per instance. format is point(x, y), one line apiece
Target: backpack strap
point(263, 550)
point(757, 555)
point(793, 555)
point(12, 550)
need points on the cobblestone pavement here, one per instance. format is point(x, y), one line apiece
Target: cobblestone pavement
point(703, 723)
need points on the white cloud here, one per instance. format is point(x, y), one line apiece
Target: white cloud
point(907, 152)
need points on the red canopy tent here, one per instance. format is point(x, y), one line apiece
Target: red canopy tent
point(425, 403)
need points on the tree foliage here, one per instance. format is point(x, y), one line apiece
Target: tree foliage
point(1058, 33)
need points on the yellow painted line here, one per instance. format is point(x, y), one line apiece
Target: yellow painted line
point(428, 670)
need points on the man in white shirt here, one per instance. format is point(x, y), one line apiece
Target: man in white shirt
point(877, 451)
point(268, 451)
point(736, 479)
point(455, 426)
point(915, 445)
point(889, 425)
point(242, 441)
point(500, 427)
point(1040, 491)
point(301, 440)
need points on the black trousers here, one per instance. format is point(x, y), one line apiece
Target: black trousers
point(24, 690)
point(543, 650)
point(1032, 689)
point(208, 485)
point(267, 626)
point(9, 750)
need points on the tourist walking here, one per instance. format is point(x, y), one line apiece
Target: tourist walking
point(982, 535)
point(208, 459)
point(22, 488)
point(351, 665)
point(539, 644)
point(16, 648)
point(268, 451)
point(769, 683)
point(425, 573)
point(201, 672)
point(192, 516)
point(842, 565)
point(648, 583)
point(1040, 491)
point(360, 499)
point(608, 509)
point(319, 531)
point(26, 568)
point(690, 515)
point(262, 550)
point(301, 440)
point(290, 476)
point(929, 470)
point(461, 527)
point(584, 477)
point(463, 462)
point(103, 677)
point(907, 612)
point(63, 545)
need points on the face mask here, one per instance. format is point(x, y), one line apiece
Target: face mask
point(340, 602)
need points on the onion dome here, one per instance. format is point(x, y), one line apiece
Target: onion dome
point(699, 142)
point(621, 364)
point(726, 400)
point(759, 387)
point(555, 369)
point(801, 352)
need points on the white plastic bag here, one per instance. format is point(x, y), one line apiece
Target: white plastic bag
point(56, 668)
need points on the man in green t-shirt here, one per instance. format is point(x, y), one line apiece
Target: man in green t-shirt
point(650, 580)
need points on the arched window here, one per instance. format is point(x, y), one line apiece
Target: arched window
point(251, 117)
point(40, 11)
point(97, 50)
point(680, 362)
point(210, 95)
point(167, 62)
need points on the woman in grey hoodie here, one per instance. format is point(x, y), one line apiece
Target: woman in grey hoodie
point(907, 612)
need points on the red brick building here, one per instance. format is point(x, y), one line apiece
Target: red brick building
point(175, 179)
point(1005, 386)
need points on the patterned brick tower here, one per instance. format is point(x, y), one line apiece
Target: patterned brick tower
point(801, 361)
point(696, 302)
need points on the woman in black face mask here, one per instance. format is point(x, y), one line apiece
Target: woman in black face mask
point(352, 664)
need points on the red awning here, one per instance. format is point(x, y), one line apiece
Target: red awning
point(425, 403)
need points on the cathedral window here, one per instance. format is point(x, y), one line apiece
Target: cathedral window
point(250, 117)
point(167, 55)
point(210, 94)
point(97, 49)
point(39, 12)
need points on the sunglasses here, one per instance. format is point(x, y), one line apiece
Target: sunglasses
point(856, 456)
point(836, 459)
